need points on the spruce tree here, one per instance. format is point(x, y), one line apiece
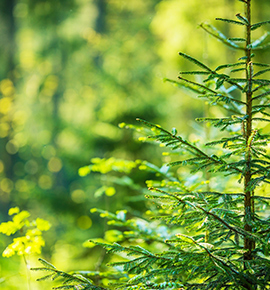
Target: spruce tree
point(212, 233)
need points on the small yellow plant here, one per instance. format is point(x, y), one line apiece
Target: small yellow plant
point(29, 243)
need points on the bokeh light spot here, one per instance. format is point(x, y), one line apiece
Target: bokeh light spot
point(12, 147)
point(21, 139)
point(45, 182)
point(5, 105)
point(110, 191)
point(27, 59)
point(4, 129)
point(6, 185)
point(20, 117)
point(21, 185)
point(48, 152)
point(6, 87)
point(78, 196)
point(84, 222)
point(55, 164)
point(31, 167)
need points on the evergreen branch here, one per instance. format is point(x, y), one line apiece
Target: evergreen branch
point(265, 46)
point(261, 72)
point(255, 44)
point(260, 86)
point(243, 278)
point(141, 252)
point(265, 231)
point(239, 80)
point(194, 149)
point(225, 141)
point(194, 60)
point(245, 57)
point(232, 21)
point(260, 197)
point(238, 69)
point(229, 65)
point(223, 122)
point(46, 264)
point(220, 36)
point(212, 257)
point(194, 73)
point(256, 181)
point(262, 107)
point(259, 24)
point(261, 82)
point(261, 119)
point(261, 170)
point(215, 193)
point(265, 114)
point(260, 64)
point(134, 228)
point(192, 88)
point(226, 99)
point(222, 193)
point(221, 77)
point(211, 91)
point(237, 39)
point(194, 160)
point(261, 161)
point(242, 19)
point(220, 96)
point(264, 155)
point(132, 250)
point(69, 280)
point(208, 213)
point(261, 95)
point(233, 82)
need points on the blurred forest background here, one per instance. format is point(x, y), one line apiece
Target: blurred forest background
point(71, 71)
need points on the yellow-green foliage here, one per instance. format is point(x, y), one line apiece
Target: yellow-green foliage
point(107, 165)
point(30, 240)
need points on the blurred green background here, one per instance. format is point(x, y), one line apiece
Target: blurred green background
point(71, 71)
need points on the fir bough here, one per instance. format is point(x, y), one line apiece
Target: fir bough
point(206, 234)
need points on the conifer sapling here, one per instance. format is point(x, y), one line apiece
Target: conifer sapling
point(212, 233)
